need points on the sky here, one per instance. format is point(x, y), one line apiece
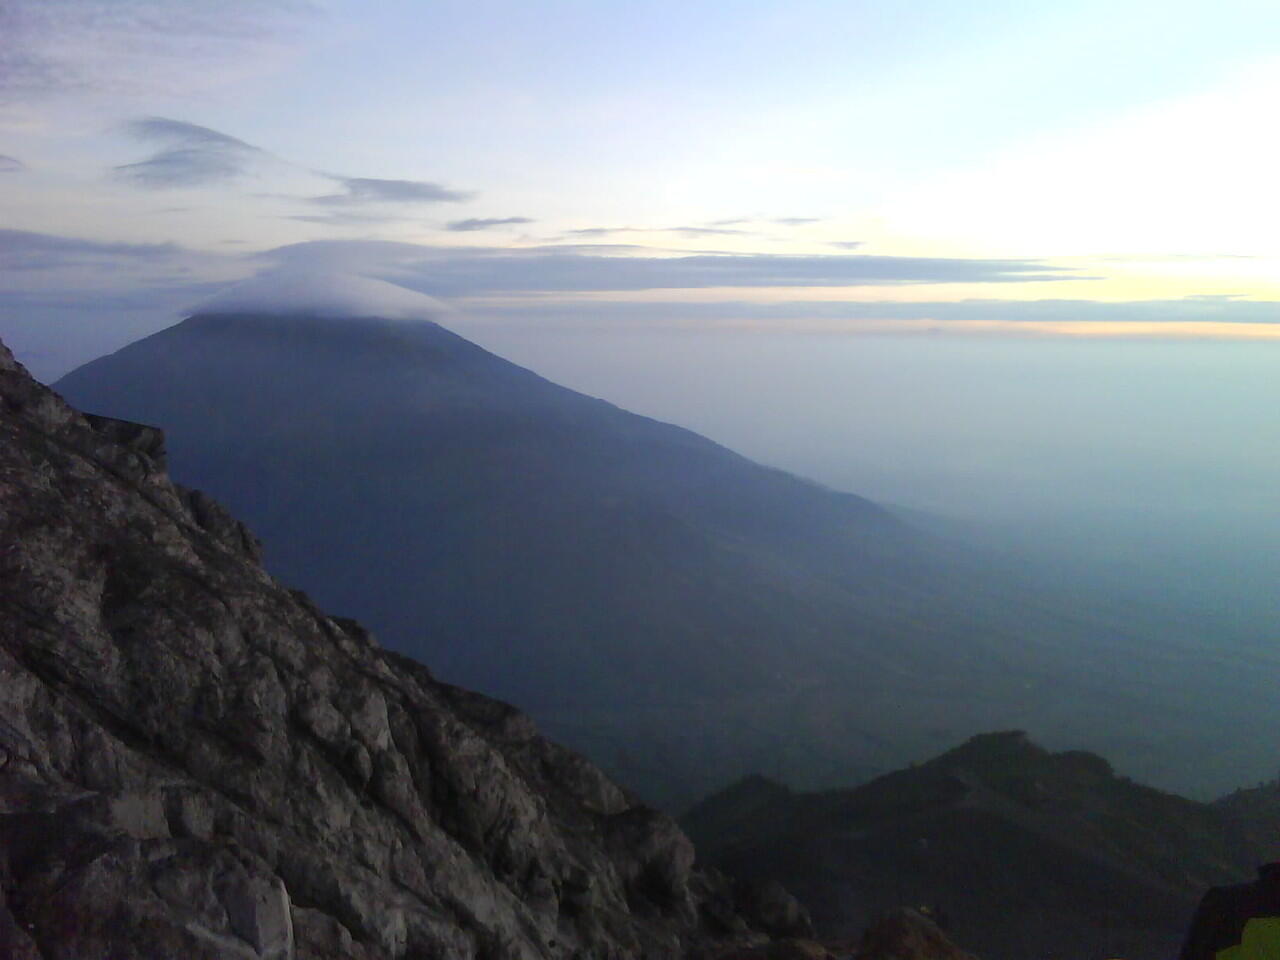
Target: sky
point(1067, 169)
point(1014, 263)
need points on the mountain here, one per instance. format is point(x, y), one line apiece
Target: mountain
point(1256, 812)
point(1018, 851)
point(196, 762)
point(681, 614)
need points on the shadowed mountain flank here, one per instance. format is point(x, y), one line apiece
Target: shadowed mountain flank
point(680, 613)
point(197, 762)
point(1018, 851)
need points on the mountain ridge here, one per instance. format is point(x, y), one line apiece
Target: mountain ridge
point(1023, 850)
point(198, 762)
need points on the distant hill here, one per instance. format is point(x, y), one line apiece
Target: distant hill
point(679, 612)
point(1256, 811)
point(1019, 851)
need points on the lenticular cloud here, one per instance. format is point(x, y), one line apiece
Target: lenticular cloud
point(324, 294)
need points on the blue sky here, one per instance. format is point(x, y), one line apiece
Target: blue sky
point(882, 163)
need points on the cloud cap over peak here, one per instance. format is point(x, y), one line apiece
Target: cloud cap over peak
point(323, 293)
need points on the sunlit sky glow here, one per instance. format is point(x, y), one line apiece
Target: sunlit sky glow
point(911, 161)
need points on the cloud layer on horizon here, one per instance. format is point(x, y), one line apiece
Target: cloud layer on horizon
point(802, 315)
point(484, 272)
point(474, 271)
point(64, 300)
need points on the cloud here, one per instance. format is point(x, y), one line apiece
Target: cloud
point(56, 47)
point(27, 250)
point(603, 231)
point(323, 293)
point(848, 244)
point(473, 271)
point(193, 155)
point(704, 231)
point(359, 190)
point(1141, 317)
point(782, 221)
point(11, 164)
point(684, 231)
point(344, 218)
point(484, 223)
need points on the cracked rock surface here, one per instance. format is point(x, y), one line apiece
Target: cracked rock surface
point(196, 762)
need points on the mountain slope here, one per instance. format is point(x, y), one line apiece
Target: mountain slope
point(1023, 851)
point(196, 762)
point(1255, 811)
point(625, 580)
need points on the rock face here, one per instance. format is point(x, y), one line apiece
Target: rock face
point(1019, 852)
point(198, 763)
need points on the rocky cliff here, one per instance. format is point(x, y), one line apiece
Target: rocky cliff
point(198, 763)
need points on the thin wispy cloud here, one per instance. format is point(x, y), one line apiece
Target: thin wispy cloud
point(848, 244)
point(602, 231)
point(706, 231)
point(28, 250)
point(779, 221)
point(52, 47)
point(344, 218)
point(484, 223)
point(693, 231)
point(11, 164)
point(1172, 257)
point(192, 155)
point(361, 190)
point(475, 271)
point(1173, 315)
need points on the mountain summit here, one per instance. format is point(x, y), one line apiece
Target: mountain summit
point(628, 582)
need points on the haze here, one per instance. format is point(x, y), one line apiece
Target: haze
point(1146, 466)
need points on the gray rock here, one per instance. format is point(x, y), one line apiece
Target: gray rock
point(196, 762)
